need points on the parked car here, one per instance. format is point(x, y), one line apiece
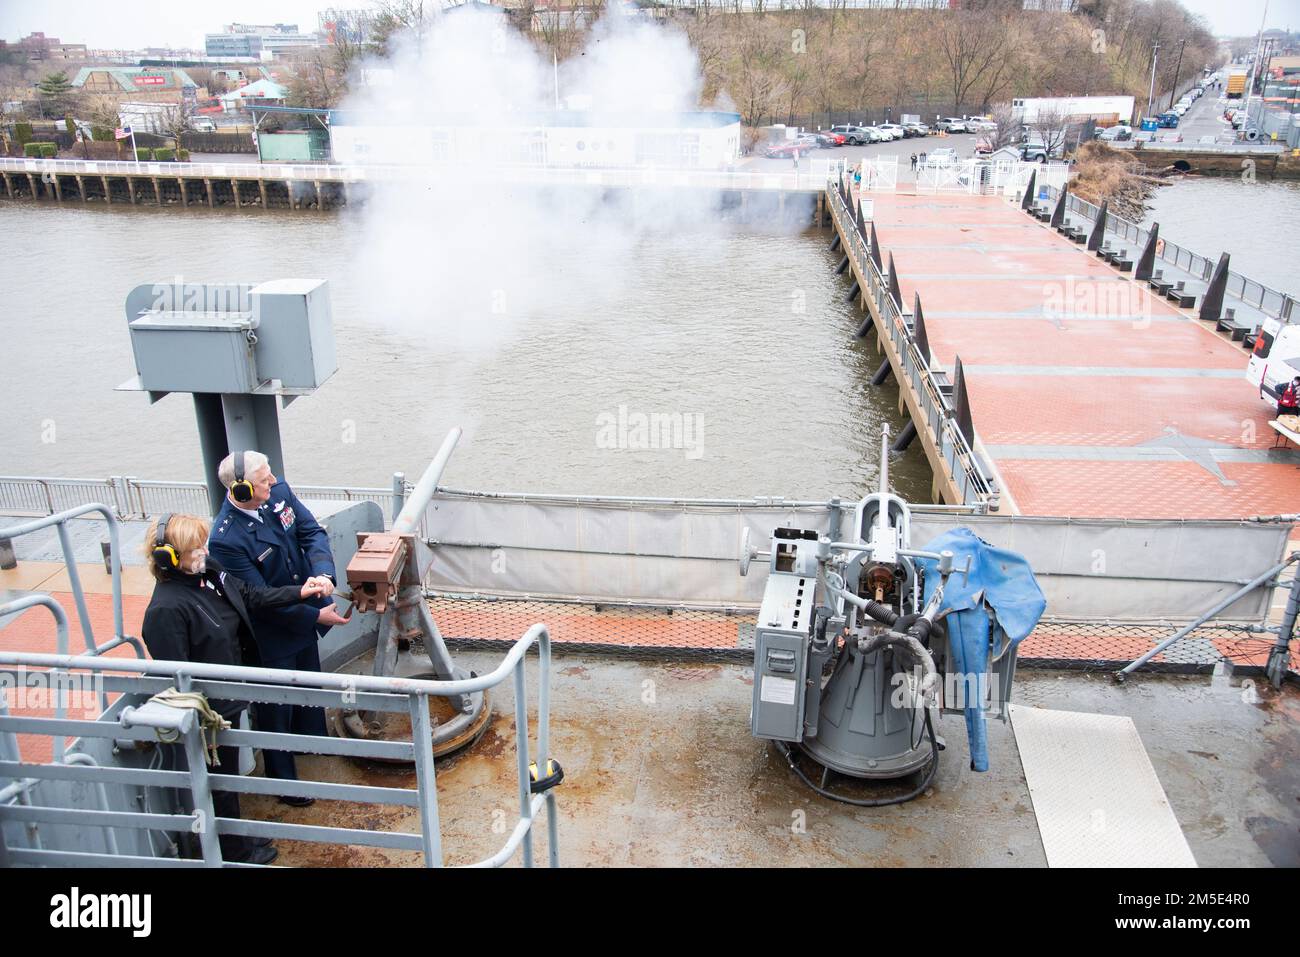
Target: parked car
point(983, 146)
point(892, 129)
point(786, 148)
point(1169, 120)
point(944, 156)
point(980, 124)
point(1116, 134)
point(918, 129)
point(853, 135)
point(1033, 152)
point(827, 139)
point(202, 124)
point(874, 135)
point(952, 124)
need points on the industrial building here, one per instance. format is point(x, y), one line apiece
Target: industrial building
point(257, 41)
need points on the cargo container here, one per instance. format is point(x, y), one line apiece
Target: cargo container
point(1236, 83)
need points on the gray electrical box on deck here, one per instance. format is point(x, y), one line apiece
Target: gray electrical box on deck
point(195, 351)
point(781, 658)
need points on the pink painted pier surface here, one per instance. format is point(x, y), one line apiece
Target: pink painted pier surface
point(1091, 395)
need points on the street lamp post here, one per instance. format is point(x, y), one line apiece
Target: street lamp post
point(1177, 69)
point(1151, 94)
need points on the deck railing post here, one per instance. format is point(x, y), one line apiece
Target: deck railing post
point(521, 753)
point(426, 779)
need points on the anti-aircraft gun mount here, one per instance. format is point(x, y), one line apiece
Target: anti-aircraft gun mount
point(386, 576)
point(849, 663)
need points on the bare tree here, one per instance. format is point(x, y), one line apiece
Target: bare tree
point(1006, 125)
point(101, 110)
point(973, 44)
point(1050, 127)
point(174, 120)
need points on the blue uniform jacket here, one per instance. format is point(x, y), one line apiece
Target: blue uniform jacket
point(286, 548)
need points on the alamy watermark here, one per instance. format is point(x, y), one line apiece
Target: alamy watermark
point(627, 430)
point(79, 692)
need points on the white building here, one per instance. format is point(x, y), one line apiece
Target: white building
point(1073, 108)
point(697, 140)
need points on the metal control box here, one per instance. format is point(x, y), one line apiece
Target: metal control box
point(271, 338)
point(781, 658)
point(295, 331)
point(195, 351)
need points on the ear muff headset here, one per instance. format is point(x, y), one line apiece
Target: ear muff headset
point(164, 555)
point(242, 489)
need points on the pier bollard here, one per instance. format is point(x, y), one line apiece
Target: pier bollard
point(883, 373)
point(8, 558)
point(919, 335)
point(895, 290)
point(1146, 263)
point(1058, 214)
point(1212, 301)
point(1098, 228)
point(853, 292)
point(844, 264)
point(1027, 201)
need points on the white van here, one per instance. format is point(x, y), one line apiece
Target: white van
point(1276, 359)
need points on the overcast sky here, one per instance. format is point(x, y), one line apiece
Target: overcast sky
point(130, 24)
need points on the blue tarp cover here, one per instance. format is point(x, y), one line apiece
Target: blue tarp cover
point(999, 599)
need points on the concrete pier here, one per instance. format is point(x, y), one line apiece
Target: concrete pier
point(1091, 395)
point(324, 186)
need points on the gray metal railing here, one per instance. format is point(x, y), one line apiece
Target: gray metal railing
point(133, 498)
point(1269, 301)
point(130, 719)
point(810, 180)
point(975, 485)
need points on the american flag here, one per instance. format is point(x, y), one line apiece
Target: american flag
point(122, 132)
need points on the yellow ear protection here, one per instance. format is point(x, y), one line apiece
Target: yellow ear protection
point(164, 555)
point(242, 490)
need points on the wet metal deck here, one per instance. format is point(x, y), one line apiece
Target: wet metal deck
point(1092, 396)
point(661, 770)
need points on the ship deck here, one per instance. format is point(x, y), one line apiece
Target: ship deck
point(661, 770)
point(650, 721)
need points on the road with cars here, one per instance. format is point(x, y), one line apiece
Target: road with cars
point(963, 143)
point(1205, 118)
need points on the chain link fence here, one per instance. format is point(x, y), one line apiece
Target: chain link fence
point(647, 632)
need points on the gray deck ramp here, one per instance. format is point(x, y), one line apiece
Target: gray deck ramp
point(1096, 796)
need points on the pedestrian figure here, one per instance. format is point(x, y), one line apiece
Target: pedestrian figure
point(796, 161)
point(913, 162)
point(922, 159)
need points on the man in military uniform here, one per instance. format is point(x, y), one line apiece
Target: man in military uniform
point(266, 537)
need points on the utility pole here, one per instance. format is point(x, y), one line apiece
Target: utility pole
point(1254, 71)
point(1151, 94)
point(1177, 69)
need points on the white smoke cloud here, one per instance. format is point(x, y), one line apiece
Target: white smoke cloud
point(465, 258)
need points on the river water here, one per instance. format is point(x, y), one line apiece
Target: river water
point(741, 335)
point(1256, 223)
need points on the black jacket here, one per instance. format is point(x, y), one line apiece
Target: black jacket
point(175, 629)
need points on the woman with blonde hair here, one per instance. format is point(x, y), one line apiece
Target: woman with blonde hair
point(200, 613)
